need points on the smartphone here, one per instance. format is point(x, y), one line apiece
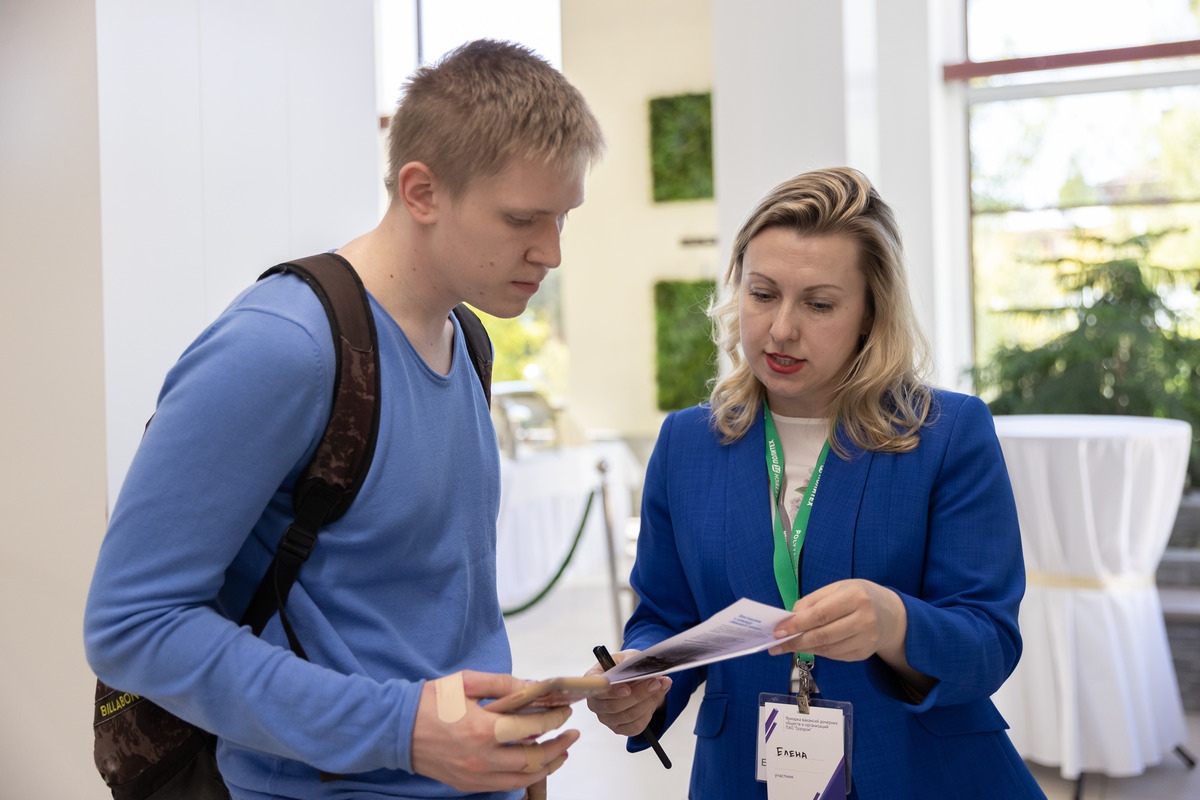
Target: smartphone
point(549, 693)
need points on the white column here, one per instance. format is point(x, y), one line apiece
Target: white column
point(923, 169)
point(155, 157)
point(813, 83)
point(778, 99)
point(233, 136)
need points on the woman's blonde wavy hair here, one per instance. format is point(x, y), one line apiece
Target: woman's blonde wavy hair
point(882, 401)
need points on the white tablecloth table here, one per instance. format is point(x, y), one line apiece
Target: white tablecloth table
point(1097, 496)
point(543, 495)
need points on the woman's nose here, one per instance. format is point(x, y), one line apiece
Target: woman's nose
point(783, 327)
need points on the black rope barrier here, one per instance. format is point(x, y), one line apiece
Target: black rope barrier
point(512, 612)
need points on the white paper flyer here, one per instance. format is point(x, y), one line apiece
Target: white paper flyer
point(744, 627)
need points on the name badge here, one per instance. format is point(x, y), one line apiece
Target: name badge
point(804, 755)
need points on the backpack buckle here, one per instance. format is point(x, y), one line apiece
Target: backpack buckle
point(298, 542)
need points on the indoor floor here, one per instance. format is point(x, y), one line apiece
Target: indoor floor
point(556, 637)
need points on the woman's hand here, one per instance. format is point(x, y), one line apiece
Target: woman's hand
point(626, 708)
point(850, 620)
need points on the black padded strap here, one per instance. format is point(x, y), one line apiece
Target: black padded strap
point(479, 345)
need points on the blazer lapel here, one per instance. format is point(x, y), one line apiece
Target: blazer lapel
point(749, 545)
point(829, 541)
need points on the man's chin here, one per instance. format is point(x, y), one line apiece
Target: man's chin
point(502, 310)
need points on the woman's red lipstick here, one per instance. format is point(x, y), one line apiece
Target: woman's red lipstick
point(783, 364)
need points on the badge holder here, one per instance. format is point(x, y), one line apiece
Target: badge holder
point(804, 754)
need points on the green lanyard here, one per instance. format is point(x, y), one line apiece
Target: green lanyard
point(787, 553)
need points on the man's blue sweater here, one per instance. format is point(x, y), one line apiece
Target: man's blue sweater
point(400, 590)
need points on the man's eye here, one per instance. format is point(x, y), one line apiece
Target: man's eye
point(520, 220)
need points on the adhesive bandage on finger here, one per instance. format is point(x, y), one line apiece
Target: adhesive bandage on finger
point(514, 727)
point(533, 758)
point(451, 698)
point(553, 766)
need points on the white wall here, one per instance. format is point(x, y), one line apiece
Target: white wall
point(51, 360)
point(621, 54)
point(233, 135)
point(154, 158)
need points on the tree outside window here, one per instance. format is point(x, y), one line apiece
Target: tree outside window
point(1077, 174)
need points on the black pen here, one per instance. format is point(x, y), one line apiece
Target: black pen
point(606, 661)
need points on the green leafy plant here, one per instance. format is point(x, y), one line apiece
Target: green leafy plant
point(686, 357)
point(1124, 350)
point(517, 343)
point(681, 160)
point(530, 347)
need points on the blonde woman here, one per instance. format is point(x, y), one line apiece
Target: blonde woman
point(903, 572)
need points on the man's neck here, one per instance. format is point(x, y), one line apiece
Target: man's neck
point(394, 268)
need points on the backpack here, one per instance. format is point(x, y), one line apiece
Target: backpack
point(142, 751)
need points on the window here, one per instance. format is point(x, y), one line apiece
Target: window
point(1084, 119)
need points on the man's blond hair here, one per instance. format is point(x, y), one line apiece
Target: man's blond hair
point(481, 105)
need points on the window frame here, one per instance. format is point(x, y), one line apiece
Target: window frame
point(961, 78)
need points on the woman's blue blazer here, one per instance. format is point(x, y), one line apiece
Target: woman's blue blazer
point(938, 525)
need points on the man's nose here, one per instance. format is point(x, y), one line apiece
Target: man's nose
point(547, 249)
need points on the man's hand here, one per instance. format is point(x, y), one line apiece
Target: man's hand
point(461, 744)
point(626, 708)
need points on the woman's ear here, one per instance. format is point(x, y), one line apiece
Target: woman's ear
point(865, 331)
point(416, 190)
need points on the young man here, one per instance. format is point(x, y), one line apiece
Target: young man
point(397, 606)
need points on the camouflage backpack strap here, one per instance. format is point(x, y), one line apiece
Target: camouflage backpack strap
point(332, 479)
point(142, 751)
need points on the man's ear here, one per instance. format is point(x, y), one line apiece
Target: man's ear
point(416, 191)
